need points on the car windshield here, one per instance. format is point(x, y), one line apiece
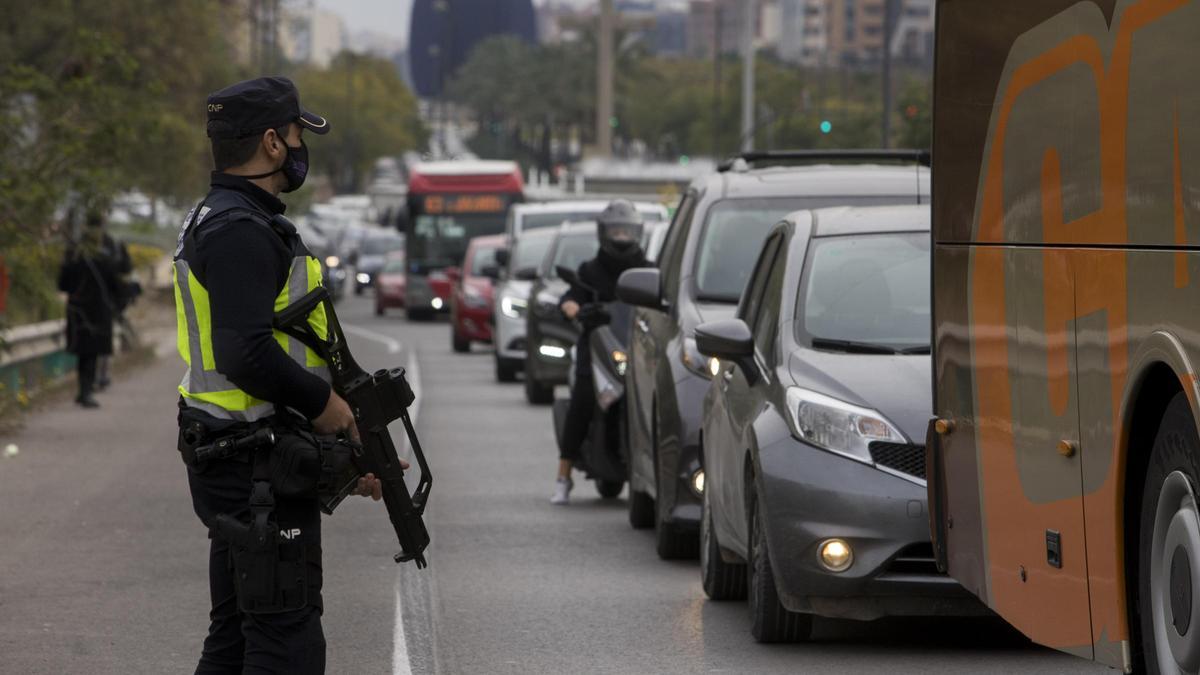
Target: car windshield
point(867, 291)
point(382, 245)
point(734, 232)
point(441, 241)
point(530, 252)
point(484, 257)
point(394, 266)
point(572, 251)
point(534, 221)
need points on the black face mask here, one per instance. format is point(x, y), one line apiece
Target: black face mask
point(294, 168)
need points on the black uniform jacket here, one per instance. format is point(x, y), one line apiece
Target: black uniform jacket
point(244, 265)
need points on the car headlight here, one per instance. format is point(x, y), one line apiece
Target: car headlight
point(838, 426)
point(473, 297)
point(512, 307)
point(363, 278)
point(696, 362)
point(333, 261)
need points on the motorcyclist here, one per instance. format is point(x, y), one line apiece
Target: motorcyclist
point(620, 229)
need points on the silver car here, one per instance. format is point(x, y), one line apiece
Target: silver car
point(813, 429)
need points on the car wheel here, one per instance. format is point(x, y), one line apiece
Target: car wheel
point(721, 580)
point(671, 542)
point(610, 489)
point(505, 371)
point(537, 393)
point(769, 620)
point(1169, 546)
point(460, 345)
point(378, 310)
point(358, 289)
point(416, 314)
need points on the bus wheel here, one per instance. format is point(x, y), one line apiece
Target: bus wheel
point(1169, 546)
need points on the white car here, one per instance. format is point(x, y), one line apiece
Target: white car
point(512, 300)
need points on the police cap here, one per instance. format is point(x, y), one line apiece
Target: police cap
point(251, 107)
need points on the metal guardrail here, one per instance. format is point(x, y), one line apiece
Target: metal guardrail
point(25, 343)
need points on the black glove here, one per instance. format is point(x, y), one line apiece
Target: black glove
point(594, 315)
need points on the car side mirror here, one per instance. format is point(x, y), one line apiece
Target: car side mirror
point(502, 257)
point(728, 340)
point(641, 287)
point(491, 271)
point(525, 274)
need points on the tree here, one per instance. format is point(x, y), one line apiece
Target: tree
point(372, 114)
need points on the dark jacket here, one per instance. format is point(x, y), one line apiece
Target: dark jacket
point(243, 263)
point(91, 277)
point(600, 274)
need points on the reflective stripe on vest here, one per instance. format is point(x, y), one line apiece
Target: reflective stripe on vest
point(208, 390)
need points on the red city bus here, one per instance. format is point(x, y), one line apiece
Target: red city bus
point(449, 204)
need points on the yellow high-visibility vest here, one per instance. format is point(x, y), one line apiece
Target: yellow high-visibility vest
point(208, 390)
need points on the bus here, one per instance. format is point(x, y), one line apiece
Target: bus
point(449, 204)
point(1063, 458)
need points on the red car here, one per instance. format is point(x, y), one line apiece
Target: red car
point(471, 297)
point(390, 285)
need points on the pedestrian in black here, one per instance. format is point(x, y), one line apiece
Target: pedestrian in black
point(619, 227)
point(90, 276)
point(238, 262)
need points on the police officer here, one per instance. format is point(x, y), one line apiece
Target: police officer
point(238, 262)
point(619, 227)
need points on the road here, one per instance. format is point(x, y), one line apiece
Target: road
point(102, 567)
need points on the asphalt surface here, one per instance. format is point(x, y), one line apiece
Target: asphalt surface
point(102, 562)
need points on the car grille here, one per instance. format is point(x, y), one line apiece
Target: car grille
point(909, 459)
point(914, 559)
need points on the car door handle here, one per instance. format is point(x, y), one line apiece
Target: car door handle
point(643, 326)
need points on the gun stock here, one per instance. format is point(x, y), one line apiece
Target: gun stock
point(377, 400)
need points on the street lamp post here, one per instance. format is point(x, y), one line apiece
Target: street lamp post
point(749, 15)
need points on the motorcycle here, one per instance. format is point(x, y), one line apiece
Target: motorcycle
point(604, 456)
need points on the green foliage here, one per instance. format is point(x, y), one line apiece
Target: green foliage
point(523, 96)
point(914, 105)
point(372, 115)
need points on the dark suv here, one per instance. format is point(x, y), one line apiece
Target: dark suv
point(709, 252)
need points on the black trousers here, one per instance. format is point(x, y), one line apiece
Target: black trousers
point(579, 417)
point(87, 374)
point(286, 642)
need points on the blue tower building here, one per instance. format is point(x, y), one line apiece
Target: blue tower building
point(443, 33)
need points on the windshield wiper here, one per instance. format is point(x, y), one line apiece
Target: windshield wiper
point(923, 349)
point(851, 347)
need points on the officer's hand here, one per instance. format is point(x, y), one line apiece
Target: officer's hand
point(369, 486)
point(336, 418)
point(570, 309)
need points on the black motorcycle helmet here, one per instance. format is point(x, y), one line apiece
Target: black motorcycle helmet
point(620, 228)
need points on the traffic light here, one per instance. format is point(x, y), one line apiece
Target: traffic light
point(826, 126)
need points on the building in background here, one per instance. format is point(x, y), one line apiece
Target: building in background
point(310, 34)
point(850, 33)
point(444, 33)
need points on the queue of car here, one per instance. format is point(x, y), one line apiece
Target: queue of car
point(776, 375)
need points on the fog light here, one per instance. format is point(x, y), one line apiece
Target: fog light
point(436, 303)
point(835, 555)
point(552, 351)
point(698, 482)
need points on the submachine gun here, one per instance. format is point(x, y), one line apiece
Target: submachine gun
point(377, 400)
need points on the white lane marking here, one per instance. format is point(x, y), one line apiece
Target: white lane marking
point(400, 662)
point(393, 345)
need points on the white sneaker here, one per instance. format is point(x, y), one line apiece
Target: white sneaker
point(562, 492)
